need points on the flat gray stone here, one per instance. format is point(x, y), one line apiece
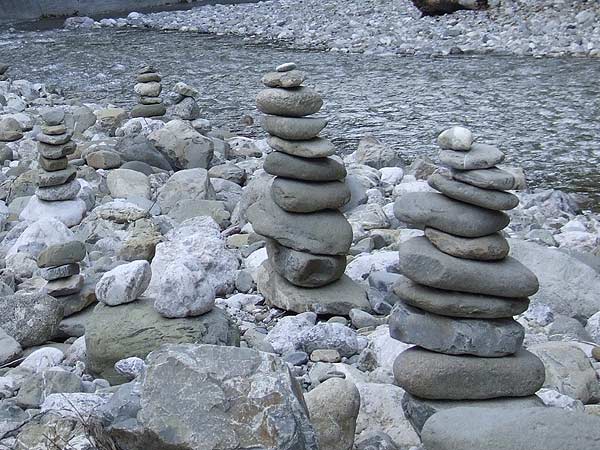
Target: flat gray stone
point(51, 165)
point(291, 102)
point(492, 247)
point(488, 338)
point(437, 376)
point(54, 273)
point(305, 269)
point(293, 128)
point(511, 429)
point(155, 110)
point(53, 116)
point(486, 198)
point(67, 191)
point(458, 304)
point(480, 156)
point(313, 148)
point(289, 79)
point(113, 333)
point(58, 139)
point(286, 67)
point(424, 264)
point(315, 169)
point(438, 211)
point(493, 178)
point(56, 178)
point(308, 196)
point(323, 232)
point(56, 151)
point(64, 286)
point(61, 254)
point(418, 410)
point(337, 298)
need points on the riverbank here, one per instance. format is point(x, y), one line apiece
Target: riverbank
point(515, 27)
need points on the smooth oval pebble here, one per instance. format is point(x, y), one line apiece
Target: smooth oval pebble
point(438, 376)
point(486, 198)
point(292, 102)
point(313, 148)
point(458, 304)
point(293, 128)
point(456, 138)
point(480, 156)
point(488, 338)
point(315, 169)
point(286, 67)
point(493, 178)
point(306, 196)
point(492, 247)
point(424, 264)
point(438, 211)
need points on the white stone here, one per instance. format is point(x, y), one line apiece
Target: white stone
point(456, 138)
point(386, 349)
point(126, 183)
point(391, 176)
point(42, 359)
point(130, 367)
point(74, 405)
point(555, 399)
point(69, 212)
point(593, 327)
point(39, 235)
point(361, 266)
point(124, 283)
point(283, 336)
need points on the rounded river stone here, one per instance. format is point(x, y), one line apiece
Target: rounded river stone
point(438, 211)
point(424, 264)
point(52, 165)
point(480, 337)
point(56, 151)
point(291, 102)
point(289, 79)
point(492, 247)
point(437, 376)
point(313, 148)
point(315, 169)
point(58, 177)
point(61, 254)
point(323, 232)
point(309, 196)
point(458, 304)
point(154, 110)
point(67, 191)
point(305, 269)
point(481, 156)
point(293, 128)
point(493, 178)
point(486, 198)
point(54, 140)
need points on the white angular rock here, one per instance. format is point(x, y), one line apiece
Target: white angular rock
point(125, 183)
point(124, 283)
point(43, 359)
point(284, 335)
point(69, 212)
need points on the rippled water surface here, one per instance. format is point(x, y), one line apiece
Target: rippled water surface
point(544, 113)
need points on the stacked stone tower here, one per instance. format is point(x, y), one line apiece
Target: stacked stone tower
point(59, 266)
point(460, 289)
point(148, 89)
point(308, 237)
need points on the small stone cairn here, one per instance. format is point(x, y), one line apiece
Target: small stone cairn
point(56, 177)
point(307, 236)
point(460, 289)
point(148, 88)
point(59, 266)
point(185, 107)
point(3, 69)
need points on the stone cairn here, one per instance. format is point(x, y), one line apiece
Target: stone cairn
point(148, 89)
point(185, 106)
point(307, 236)
point(59, 266)
point(460, 289)
point(3, 69)
point(56, 177)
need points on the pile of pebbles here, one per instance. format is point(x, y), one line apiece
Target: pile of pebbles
point(59, 266)
point(148, 89)
point(460, 288)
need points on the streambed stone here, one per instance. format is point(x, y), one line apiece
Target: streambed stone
point(493, 178)
point(316, 169)
point(312, 148)
point(305, 196)
point(290, 102)
point(289, 79)
point(480, 156)
point(492, 247)
point(293, 128)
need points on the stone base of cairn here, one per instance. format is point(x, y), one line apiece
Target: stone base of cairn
point(3, 69)
point(59, 266)
point(308, 237)
point(460, 290)
point(185, 107)
point(148, 89)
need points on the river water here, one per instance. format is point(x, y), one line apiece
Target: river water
point(544, 113)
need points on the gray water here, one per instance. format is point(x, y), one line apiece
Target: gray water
point(544, 113)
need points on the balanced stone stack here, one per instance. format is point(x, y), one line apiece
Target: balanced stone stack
point(307, 236)
point(460, 289)
point(59, 266)
point(3, 70)
point(148, 89)
point(56, 177)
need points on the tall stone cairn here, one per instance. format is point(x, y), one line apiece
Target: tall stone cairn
point(148, 89)
point(307, 236)
point(460, 289)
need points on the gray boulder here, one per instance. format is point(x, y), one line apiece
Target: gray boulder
point(190, 184)
point(182, 145)
point(137, 147)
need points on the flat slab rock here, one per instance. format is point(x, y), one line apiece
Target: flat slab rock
point(290, 102)
point(493, 178)
point(306, 169)
point(418, 410)
point(480, 156)
point(438, 211)
point(437, 376)
point(458, 304)
point(512, 429)
point(306, 196)
point(313, 148)
point(337, 298)
point(293, 128)
point(424, 264)
point(492, 247)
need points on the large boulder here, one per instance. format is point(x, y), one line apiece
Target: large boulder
point(135, 329)
point(185, 186)
point(208, 397)
point(137, 147)
point(567, 285)
point(182, 145)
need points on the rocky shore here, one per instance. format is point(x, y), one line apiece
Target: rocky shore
point(516, 27)
point(134, 308)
